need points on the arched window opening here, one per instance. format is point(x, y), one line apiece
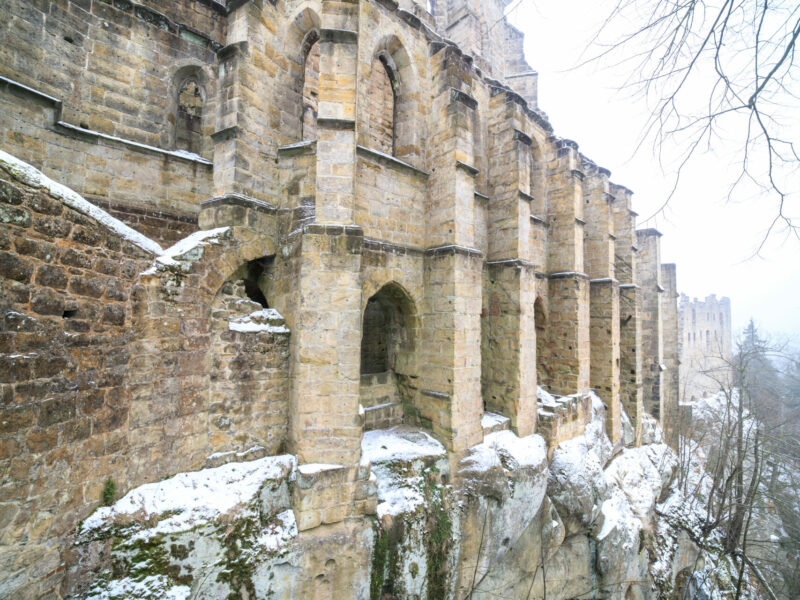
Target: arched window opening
point(189, 117)
point(248, 281)
point(388, 356)
point(721, 319)
point(542, 360)
point(310, 87)
point(382, 92)
point(708, 340)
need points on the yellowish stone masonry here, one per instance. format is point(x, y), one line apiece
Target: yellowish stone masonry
point(391, 188)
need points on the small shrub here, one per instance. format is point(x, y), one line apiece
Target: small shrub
point(109, 492)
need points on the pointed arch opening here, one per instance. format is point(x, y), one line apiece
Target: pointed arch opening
point(389, 340)
point(310, 95)
point(382, 84)
point(389, 115)
point(300, 81)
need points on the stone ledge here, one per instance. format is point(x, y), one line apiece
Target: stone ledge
point(522, 137)
point(463, 98)
point(390, 160)
point(373, 245)
point(240, 200)
point(193, 158)
point(438, 395)
point(470, 170)
point(568, 275)
point(304, 147)
point(453, 249)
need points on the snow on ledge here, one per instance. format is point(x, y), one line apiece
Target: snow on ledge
point(260, 320)
point(399, 443)
point(25, 173)
point(529, 451)
point(192, 498)
point(490, 419)
point(315, 468)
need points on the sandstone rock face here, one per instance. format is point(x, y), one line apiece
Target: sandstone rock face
point(498, 521)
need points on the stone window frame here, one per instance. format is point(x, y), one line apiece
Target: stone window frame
point(183, 75)
point(407, 122)
point(311, 38)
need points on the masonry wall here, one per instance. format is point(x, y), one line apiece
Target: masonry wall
point(506, 259)
point(705, 346)
point(66, 347)
point(101, 81)
point(671, 337)
point(649, 279)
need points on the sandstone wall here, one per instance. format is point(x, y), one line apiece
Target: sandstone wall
point(648, 277)
point(669, 316)
point(101, 381)
point(87, 83)
point(66, 346)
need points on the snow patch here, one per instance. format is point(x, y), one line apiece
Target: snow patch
point(314, 468)
point(31, 176)
point(399, 443)
point(194, 498)
point(259, 321)
point(489, 420)
point(152, 587)
point(279, 532)
point(502, 447)
point(190, 245)
point(399, 490)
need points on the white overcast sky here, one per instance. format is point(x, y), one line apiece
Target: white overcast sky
point(711, 240)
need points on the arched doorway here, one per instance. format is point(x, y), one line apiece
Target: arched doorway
point(388, 356)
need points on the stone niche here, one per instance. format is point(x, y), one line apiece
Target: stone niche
point(388, 357)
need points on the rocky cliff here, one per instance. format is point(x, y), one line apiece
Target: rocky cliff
point(500, 521)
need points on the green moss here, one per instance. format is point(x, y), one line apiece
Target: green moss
point(237, 541)
point(109, 492)
point(385, 561)
point(439, 538)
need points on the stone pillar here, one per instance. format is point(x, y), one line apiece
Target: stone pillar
point(451, 327)
point(509, 330)
point(630, 307)
point(336, 120)
point(604, 334)
point(648, 276)
point(671, 335)
point(325, 426)
point(568, 323)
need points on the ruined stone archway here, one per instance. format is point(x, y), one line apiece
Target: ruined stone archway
point(389, 342)
point(170, 383)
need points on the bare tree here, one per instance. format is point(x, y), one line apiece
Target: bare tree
point(748, 434)
point(719, 73)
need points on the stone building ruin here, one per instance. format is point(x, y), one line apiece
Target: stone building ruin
point(706, 345)
point(374, 223)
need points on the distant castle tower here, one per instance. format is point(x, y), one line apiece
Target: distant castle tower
point(705, 345)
